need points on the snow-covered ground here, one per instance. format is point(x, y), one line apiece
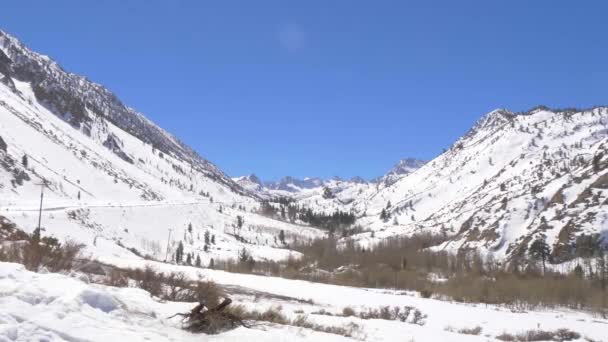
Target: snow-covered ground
point(55, 307)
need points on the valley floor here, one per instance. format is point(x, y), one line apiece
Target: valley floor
point(56, 307)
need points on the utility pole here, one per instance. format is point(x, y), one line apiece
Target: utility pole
point(42, 185)
point(168, 240)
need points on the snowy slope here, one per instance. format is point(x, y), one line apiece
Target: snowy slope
point(510, 179)
point(111, 174)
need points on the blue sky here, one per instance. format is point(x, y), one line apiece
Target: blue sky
point(324, 88)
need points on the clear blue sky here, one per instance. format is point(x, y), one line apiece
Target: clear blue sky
point(324, 88)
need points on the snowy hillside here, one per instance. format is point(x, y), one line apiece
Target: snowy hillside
point(113, 177)
point(510, 179)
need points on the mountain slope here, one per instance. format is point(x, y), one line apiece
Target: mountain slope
point(82, 103)
point(114, 179)
point(509, 180)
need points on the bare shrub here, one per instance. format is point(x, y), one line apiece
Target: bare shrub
point(541, 335)
point(426, 293)
point(407, 314)
point(116, 278)
point(506, 337)
point(470, 331)
point(176, 287)
point(147, 279)
point(49, 253)
point(348, 311)
point(275, 315)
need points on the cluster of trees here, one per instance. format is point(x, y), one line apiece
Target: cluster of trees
point(288, 211)
point(587, 247)
point(385, 214)
point(189, 257)
point(331, 222)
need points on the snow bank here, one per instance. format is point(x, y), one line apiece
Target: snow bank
point(55, 307)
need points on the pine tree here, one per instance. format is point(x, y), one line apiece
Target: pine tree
point(179, 253)
point(282, 236)
point(24, 161)
point(540, 250)
point(213, 239)
point(596, 162)
point(327, 194)
point(211, 263)
point(188, 259)
point(383, 216)
point(207, 239)
point(240, 221)
point(197, 263)
point(190, 227)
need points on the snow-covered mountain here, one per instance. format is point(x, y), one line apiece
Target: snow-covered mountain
point(117, 181)
point(291, 184)
point(114, 179)
point(300, 188)
point(400, 169)
point(251, 183)
point(512, 178)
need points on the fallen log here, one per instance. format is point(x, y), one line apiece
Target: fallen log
point(210, 320)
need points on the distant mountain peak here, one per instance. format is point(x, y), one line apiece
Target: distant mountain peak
point(292, 184)
point(402, 167)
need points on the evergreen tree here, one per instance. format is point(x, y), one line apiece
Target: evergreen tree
point(190, 227)
point(179, 253)
point(207, 239)
point(197, 263)
point(596, 162)
point(282, 236)
point(383, 216)
point(211, 263)
point(213, 239)
point(24, 161)
point(327, 193)
point(188, 259)
point(540, 250)
point(240, 221)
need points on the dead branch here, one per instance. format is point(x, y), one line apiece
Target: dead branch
point(210, 320)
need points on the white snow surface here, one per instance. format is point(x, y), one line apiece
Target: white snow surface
point(56, 307)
